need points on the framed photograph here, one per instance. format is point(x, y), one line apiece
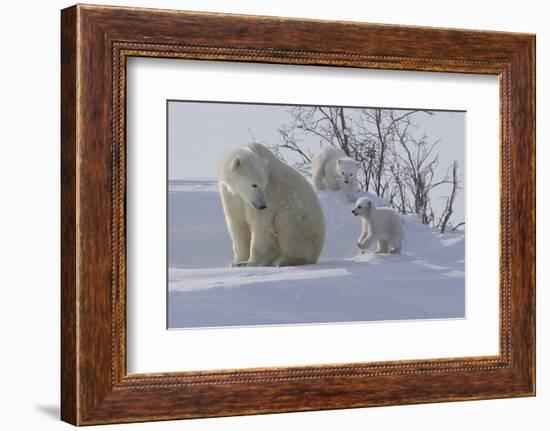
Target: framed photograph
point(265, 214)
point(230, 262)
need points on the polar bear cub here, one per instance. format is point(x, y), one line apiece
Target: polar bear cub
point(332, 169)
point(272, 213)
point(381, 225)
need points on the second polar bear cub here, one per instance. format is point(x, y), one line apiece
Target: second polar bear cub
point(379, 225)
point(332, 169)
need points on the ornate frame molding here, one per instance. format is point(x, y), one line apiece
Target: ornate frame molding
point(96, 41)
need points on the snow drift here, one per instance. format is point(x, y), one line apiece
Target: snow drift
point(425, 282)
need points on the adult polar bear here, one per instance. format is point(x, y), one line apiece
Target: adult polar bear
point(273, 214)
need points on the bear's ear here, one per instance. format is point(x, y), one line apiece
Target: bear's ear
point(265, 162)
point(369, 205)
point(235, 163)
point(339, 161)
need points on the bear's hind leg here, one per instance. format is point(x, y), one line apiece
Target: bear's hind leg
point(299, 241)
point(383, 246)
point(395, 246)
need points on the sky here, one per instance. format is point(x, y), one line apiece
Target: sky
point(199, 133)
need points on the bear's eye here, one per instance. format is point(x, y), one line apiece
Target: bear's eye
point(359, 206)
point(343, 173)
point(351, 175)
point(254, 185)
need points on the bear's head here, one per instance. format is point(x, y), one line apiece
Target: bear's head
point(248, 178)
point(363, 207)
point(347, 170)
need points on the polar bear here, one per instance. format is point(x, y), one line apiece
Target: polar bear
point(272, 213)
point(332, 169)
point(380, 225)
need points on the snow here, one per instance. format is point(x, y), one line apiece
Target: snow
point(426, 281)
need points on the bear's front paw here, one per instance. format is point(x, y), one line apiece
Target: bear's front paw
point(239, 264)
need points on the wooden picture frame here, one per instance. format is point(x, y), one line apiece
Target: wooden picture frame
point(95, 43)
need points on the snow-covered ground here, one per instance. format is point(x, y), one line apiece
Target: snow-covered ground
point(425, 282)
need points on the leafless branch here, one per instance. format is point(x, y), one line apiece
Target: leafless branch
point(393, 163)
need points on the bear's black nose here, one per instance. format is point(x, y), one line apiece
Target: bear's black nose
point(262, 207)
point(346, 182)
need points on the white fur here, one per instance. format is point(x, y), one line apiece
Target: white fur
point(278, 222)
point(379, 225)
point(332, 169)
